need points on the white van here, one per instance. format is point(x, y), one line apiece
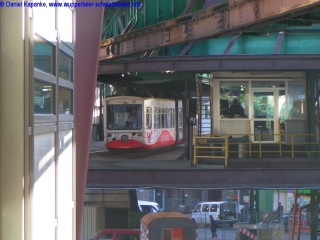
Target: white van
point(222, 212)
point(148, 207)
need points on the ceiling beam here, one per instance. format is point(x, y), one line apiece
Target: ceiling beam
point(215, 21)
point(283, 62)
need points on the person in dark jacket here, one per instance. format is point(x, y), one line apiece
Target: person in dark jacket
point(213, 227)
point(280, 212)
point(236, 108)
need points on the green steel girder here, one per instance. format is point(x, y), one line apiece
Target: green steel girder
point(119, 20)
point(216, 21)
point(148, 13)
point(304, 41)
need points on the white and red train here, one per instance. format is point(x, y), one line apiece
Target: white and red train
point(142, 123)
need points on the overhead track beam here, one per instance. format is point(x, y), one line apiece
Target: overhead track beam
point(220, 20)
point(293, 62)
point(205, 178)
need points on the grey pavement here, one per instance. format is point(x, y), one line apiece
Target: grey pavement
point(165, 158)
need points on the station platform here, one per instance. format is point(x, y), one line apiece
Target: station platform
point(165, 158)
point(174, 158)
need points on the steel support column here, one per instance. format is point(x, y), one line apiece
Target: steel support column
point(314, 197)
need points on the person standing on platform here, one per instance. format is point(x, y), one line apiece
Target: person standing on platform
point(280, 212)
point(213, 227)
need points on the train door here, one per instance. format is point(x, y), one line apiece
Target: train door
point(265, 115)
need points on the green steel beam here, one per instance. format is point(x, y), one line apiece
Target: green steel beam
point(215, 21)
point(293, 42)
point(150, 12)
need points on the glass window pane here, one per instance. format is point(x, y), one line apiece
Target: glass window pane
point(268, 84)
point(263, 104)
point(205, 208)
point(149, 118)
point(43, 98)
point(234, 100)
point(297, 103)
point(65, 25)
point(124, 116)
point(44, 57)
point(65, 101)
point(156, 118)
point(213, 208)
point(180, 117)
point(65, 66)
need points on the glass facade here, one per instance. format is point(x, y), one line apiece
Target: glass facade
point(44, 87)
point(65, 66)
point(43, 98)
point(65, 101)
point(53, 171)
point(44, 55)
point(272, 107)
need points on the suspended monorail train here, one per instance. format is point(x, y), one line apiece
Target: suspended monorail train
point(142, 123)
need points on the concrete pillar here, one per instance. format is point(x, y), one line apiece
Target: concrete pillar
point(12, 123)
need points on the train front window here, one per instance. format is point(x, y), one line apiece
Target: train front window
point(124, 116)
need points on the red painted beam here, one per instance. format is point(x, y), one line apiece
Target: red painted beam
point(87, 41)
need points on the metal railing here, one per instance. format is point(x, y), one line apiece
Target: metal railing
point(210, 148)
point(259, 146)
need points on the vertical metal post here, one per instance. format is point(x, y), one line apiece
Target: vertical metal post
point(101, 98)
point(312, 92)
point(314, 197)
point(252, 200)
point(293, 215)
point(211, 104)
point(257, 200)
point(292, 146)
point(186, 116)
point(190, 143)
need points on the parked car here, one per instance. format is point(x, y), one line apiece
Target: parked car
point(116, 234)
point(148, 207)
point(222, 212)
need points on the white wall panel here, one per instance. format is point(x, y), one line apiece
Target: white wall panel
point(43, 207)
point(65, 185)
